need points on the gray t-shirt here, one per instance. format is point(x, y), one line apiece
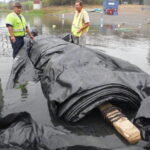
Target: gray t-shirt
point(86, 17)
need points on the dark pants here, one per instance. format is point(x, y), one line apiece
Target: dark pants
point(17, 45)
point(75, 40)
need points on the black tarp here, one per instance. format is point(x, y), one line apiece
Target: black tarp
point(76, 80)
point(1, 95)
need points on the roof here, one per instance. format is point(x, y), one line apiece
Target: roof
point(37, 1)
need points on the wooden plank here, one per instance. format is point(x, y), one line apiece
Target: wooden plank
point(121, 123)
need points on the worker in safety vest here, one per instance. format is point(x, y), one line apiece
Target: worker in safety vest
point(80, 25)
point(17, 28)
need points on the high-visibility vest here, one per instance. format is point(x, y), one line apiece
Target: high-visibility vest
point(18, 24)
point(78, 24)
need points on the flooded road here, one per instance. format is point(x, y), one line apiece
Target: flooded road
point(130, 43)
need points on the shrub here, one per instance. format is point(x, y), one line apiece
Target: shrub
point(27, 5)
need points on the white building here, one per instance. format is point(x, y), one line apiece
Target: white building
point(37, 4)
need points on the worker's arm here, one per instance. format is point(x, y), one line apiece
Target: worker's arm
point(86, 21)
point(84, 27)
point(9, 25)
point(12, 37)
point(29, 33)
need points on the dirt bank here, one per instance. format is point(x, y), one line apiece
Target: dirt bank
point(127, 15)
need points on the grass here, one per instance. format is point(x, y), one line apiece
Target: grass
point(52, 10)
point(58, 9)
point(65, 9)
point(125, 9)
point(22, 86)
point(5, 11)
point(34, 12)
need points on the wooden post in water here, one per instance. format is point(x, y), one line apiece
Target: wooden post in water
point(121, 123)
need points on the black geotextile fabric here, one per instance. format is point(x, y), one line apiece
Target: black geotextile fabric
point(1, 93)
point(20, 63)
point(75, 81)
point(18, 131)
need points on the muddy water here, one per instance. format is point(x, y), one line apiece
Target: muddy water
point(130, 43)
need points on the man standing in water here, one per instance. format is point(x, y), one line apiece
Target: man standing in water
point(17, 28)
point(80, 25)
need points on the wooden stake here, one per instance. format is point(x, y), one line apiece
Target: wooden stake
point(121, 123)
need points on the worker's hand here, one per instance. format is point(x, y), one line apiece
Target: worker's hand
point(80, 30)
point(13, 39)
point(32, 37)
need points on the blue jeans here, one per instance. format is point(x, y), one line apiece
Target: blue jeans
point(17, 45)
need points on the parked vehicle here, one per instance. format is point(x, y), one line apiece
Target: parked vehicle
point(111, 7)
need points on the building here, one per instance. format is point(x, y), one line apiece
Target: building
point(37, 4)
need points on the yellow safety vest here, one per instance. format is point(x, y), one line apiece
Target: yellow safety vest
point(18, 24)
point(78, 24)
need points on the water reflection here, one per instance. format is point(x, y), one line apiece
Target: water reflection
point(113, 39)
point(148, 57)
point(1, 97)
point(45, 24)
point(5, 46)
point(38, 24)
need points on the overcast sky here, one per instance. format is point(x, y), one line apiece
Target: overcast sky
point(4, 0)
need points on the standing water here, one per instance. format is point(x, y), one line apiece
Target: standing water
point(126, 42)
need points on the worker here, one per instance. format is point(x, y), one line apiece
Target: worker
point(80, 25)
point(17, 28)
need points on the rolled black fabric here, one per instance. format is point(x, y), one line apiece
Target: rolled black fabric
point(75, 81)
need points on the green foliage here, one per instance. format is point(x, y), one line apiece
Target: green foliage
point(69, 2)
point(34, 12)
point(5, 11)
point(28, 5)
point(21, 86)
point(46, 3)
point(3, 5)
point(92, 2)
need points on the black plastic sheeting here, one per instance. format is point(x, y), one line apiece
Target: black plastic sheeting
point(1, 92)
point(75, 81)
